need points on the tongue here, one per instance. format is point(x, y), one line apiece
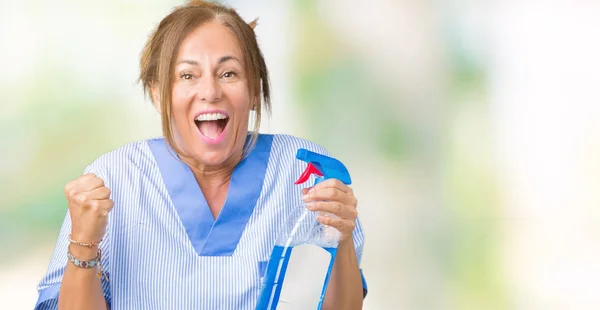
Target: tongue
point(210, 129)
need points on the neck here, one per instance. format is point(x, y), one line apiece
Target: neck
point(213, 176)
point(214, 180)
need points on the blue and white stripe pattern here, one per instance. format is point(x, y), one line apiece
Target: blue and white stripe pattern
point(156, 259)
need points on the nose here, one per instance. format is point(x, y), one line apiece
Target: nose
point(210, 90)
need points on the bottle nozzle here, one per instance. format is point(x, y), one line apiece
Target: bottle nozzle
point(310, 169)
point(323, 166)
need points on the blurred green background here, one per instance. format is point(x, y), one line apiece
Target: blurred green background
point(471, 129)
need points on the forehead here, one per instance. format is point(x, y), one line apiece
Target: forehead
point(211, 39)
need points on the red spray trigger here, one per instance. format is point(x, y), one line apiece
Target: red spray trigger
point(310, 169)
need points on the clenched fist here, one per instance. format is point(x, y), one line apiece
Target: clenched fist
point(89, 205)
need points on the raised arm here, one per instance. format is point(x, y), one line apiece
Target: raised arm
point(346, 287)
point(89, 205)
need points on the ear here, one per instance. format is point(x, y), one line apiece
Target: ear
point(155, 96)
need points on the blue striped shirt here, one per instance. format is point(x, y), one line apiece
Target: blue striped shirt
point(163, 249)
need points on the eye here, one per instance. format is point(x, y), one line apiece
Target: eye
point(186, 76)
point(229, 74)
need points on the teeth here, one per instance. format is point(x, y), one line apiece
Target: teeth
point(211, 117)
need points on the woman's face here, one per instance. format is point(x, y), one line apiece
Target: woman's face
point(211, 101)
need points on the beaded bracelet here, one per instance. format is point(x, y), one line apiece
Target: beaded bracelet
point(96, 261)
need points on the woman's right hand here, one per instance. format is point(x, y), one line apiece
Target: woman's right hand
point(89, 204)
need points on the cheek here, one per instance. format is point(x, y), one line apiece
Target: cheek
point(181, 97)
point(239, 98)
point(180, 104)
point(242, 111)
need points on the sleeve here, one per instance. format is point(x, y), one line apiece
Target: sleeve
point(359, 241)
point(49, 286)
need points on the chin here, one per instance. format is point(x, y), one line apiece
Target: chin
point(203, 152)
point(212, 158)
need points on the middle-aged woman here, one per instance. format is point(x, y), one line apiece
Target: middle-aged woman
point(188, 220)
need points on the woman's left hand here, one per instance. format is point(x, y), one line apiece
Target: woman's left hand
point(335, 197)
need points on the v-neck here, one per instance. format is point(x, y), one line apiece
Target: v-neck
point(210, 236)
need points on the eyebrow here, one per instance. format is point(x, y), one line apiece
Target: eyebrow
point(226, 58)
point(221, 60)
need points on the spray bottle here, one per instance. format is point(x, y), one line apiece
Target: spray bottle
point(300, 265)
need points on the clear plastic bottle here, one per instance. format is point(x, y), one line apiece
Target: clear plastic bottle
point(300, 264)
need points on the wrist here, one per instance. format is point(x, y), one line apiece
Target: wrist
point(83, 253)
point(347, 243)
point(84, 239)
point(93, 263)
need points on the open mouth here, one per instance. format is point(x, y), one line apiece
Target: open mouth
point(211, 125)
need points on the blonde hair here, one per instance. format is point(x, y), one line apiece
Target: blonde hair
point(160, 52)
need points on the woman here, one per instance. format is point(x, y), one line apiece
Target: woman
point(188, 221)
